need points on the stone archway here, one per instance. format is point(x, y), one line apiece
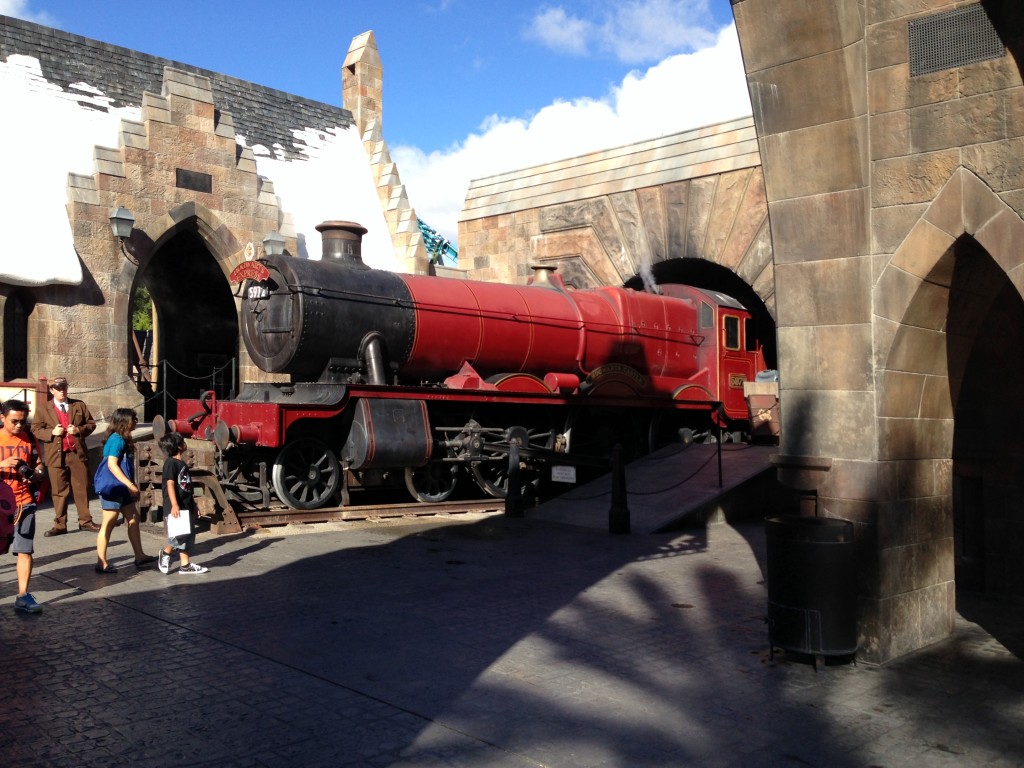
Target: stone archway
point(933, 302)
point(196, 330)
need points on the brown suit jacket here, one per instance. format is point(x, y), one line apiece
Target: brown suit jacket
point(46, 419)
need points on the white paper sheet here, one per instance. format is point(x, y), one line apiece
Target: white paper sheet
point(180, 525)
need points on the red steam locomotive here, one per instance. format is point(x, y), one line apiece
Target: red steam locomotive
point(420, 379)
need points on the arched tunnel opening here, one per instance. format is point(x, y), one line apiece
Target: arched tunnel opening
point(196, 339)
point(712, 277)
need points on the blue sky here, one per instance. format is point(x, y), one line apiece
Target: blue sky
point(471, 87)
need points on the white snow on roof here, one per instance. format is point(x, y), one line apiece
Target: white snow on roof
point(333, 183)
point(47, 133)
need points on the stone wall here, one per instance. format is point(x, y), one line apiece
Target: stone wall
point(610, 217)
point(882, 186)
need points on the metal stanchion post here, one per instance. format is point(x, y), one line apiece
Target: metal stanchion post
point(618, 513)
point(514, 497)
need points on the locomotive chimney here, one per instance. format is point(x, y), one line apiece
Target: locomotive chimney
point(544, 277)
point(342, 241)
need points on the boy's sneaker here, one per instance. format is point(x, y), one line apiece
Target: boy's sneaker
point(27, 604)
point(165, 562)
point(192, 568)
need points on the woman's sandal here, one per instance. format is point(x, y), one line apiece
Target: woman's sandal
point(101, 568)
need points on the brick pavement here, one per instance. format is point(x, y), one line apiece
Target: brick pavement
point(472, 641)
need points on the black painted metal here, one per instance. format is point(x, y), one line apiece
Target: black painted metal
point(618, 512)
point(514, 497)
point(298, 326)
point(388, 433)
point(812, 589)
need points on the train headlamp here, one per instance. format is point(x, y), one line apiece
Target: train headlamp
point(273, 244)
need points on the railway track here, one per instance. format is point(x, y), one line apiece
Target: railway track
point(284, 516)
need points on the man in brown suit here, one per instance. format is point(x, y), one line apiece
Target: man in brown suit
point(61, 426)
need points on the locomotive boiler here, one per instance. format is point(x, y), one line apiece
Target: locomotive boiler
point(423, 380)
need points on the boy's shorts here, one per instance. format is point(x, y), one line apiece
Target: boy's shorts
point(25, 531)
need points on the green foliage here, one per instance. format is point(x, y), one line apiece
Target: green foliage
point(142, 310)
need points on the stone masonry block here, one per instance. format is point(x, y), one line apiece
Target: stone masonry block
point(980, 204)
point(816, 160)
point(879, 11)
point(919, 350)
point(751, 217)
point(826, 357)
point(886, 44)
point(922, 253)
point(902, 439)
point(900, 394)
point(187, 85)
point(1002, 237)
point(820, 226)
point(916, 566)
point(1013, 109)
point(728, 195)
point(936, 401)
point(890, 135)
point(912, 478)
point(957, 122)
point(946, 210)
point(928, 307)
point(999, 164)
point(652, 214)
point(835, 423)
point(829, 292)
point(155, 107)
point(758, 257)
point(852, 480)
point(700, 199)
point(891, 225)
point(912, 179)
point(812, 27)
point(803, 93)
point(990, 76)
point(892, 88)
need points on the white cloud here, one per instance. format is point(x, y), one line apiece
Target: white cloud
point(682, 92)
point(18, 9)
point(555, 29)
point(633, 32)
point(649, 30)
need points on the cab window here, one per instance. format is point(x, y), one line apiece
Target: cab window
point(749, 338)
point(732, 332)
point(707, 315)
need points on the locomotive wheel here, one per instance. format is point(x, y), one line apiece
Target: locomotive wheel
point(306, 474)
point(432, 483)
point(492, 475)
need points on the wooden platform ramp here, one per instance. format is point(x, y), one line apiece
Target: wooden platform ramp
point(672, 487)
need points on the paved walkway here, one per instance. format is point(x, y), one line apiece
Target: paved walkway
point(472, 641)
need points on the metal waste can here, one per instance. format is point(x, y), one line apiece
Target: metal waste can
point(812, 585)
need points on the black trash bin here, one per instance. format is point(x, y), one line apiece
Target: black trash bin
point(812, 585)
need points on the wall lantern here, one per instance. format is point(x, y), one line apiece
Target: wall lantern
point(121, 224)
point(273, 244)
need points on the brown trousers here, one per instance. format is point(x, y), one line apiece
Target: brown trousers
point(71, 479)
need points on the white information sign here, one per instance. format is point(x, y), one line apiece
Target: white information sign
point(562, 474)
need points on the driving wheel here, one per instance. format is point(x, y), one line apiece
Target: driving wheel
point(306, 474)
point(433, 482)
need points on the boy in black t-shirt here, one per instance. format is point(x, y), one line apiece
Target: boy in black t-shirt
point(178, 500)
